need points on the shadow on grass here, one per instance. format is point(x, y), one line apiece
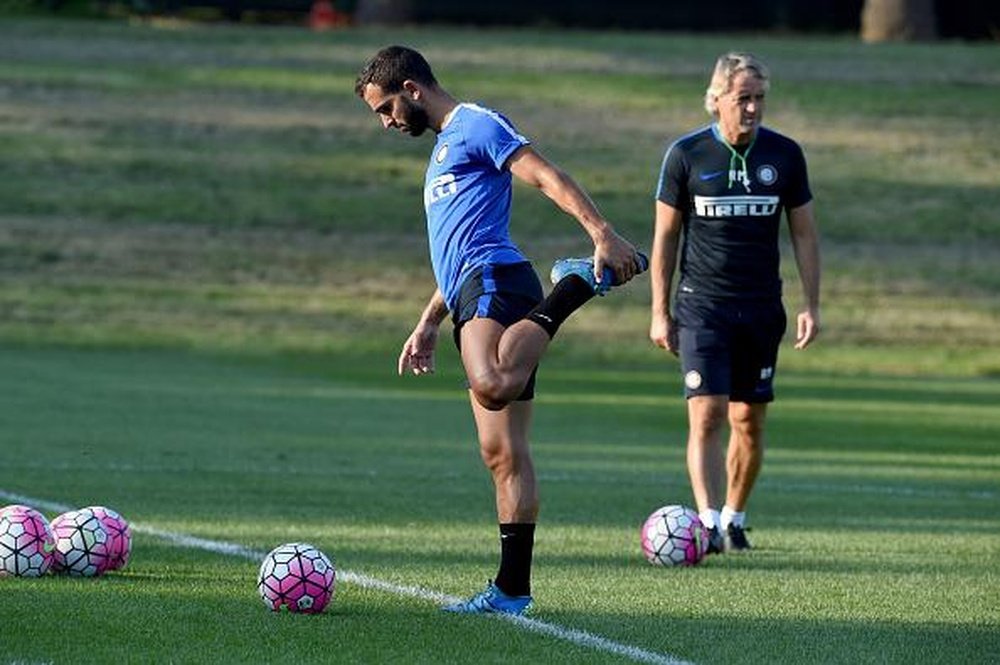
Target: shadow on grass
point(733, 639)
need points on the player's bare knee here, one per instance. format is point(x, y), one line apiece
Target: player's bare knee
point(496, 457)
point(490, 401)
point(746, 423)
point(707, 423)
point(492, 392)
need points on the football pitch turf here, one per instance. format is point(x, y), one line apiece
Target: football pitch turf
point(874, 521)
point(211, 253)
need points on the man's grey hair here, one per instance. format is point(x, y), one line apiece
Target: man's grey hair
point(726, 69)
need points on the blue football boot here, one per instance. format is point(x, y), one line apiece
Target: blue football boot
point(491, 601)
point(584, 268)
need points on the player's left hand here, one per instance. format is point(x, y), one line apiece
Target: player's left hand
point(417, 355)
point(806, 328)
point(616, 254)
point(663, 333)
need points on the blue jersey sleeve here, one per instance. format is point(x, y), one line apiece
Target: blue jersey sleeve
point(492, 138)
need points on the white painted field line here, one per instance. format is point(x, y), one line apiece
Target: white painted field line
point(578, 637)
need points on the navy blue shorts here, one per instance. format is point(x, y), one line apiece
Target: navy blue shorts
point(504, 293)
point(729, 347)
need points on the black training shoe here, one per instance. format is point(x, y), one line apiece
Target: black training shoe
point(736, 538)
point(716, 543)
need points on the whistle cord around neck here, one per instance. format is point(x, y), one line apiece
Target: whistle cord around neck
point(743, 161)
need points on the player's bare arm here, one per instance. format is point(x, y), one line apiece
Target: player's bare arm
point(805, 244)
point(666, 237)
point(610, 249)
point(417, 355)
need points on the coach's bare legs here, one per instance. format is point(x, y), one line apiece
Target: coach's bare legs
point(705, 458)
point(746, 451)
point(503, 444)
point(499, 361)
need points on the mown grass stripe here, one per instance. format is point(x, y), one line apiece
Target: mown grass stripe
point(578, 637)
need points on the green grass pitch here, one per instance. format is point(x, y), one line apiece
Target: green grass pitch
point(873, 520)
point(210, 254)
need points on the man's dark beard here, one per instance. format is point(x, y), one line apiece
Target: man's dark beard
point(414, 117)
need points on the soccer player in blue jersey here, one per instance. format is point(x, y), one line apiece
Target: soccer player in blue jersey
point(502, 322)
point(723, 189)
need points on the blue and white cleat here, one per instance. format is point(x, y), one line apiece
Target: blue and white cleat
point(584, 268)
point(491, 601)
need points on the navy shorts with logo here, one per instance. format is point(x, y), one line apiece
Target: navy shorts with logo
point(504, 293)
point(729, 347)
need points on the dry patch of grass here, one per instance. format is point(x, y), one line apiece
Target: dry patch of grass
point(191, 184)
point(82, 281)
point(73, 281)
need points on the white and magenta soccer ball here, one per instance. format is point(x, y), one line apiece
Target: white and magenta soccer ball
point(81, 544)
point(26, 542)
point(674, 536)
point(119, 536)
point(297, 576)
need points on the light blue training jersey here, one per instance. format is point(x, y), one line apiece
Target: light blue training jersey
point(467, 196)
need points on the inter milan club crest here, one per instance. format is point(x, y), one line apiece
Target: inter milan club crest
point(692, 380)
point(441, 154)
point(767, 174)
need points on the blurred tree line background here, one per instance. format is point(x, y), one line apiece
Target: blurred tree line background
point(873, 20)
point(878, 20)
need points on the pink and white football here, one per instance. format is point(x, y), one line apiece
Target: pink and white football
point(26, 542)
point(119, 536)
point(81, 544)
point(297, 576)
point(674, 536)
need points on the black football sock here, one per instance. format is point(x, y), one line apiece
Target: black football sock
point(566, 297)
point(517, 541)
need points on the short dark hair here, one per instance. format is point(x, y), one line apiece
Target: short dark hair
point(390, 67)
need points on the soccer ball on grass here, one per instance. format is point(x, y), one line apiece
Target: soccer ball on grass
point(674, 536)
point(297, 576)
point(26, 542)
point(119, 536)
point(81, 544)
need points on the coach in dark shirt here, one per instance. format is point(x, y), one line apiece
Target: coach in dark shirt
point(719, 202)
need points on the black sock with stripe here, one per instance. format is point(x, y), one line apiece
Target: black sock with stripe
point(566, 297)
point(517, 542)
